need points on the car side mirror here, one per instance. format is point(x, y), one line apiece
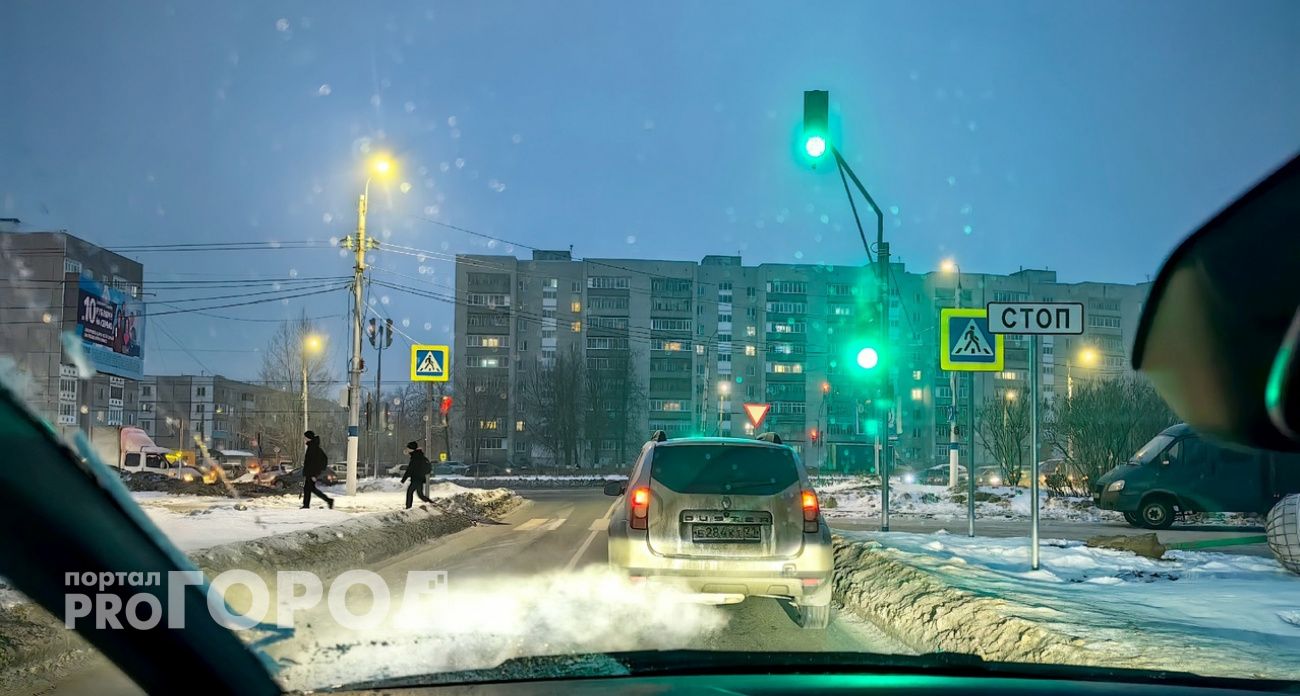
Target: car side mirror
point(1164, 461)
point(615, 488)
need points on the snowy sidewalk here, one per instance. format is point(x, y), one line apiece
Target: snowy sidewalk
point(197, 522)
point(1202, 612)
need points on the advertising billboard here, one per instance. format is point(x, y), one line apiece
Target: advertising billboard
point(110, 324)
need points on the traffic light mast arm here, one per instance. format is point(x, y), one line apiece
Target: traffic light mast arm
point(880, 214)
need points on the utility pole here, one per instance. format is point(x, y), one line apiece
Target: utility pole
point(358, 246)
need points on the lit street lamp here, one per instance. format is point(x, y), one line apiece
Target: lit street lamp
point(1088, 357)
point(311, 344)
point(950, 266)
point(379, 166)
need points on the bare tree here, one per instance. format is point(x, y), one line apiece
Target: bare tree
point(479, 401)
point(280, 403)
point(613, 399)
point(551, 401)
point(1002, 426)
point(1103, 424)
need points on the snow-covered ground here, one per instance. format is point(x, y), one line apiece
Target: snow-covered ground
point(196, 522)
point(859, 498)
point(1210, 602)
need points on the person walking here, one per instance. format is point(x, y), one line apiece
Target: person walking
point(313, 465)
point(418, 469)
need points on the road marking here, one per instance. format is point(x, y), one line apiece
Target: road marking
point(596, 528)
point(531, 524)
point(554, 524)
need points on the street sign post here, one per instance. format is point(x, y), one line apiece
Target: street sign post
point(966, 344)
point(756, 413)
point(430, 363)
point(1034, 319)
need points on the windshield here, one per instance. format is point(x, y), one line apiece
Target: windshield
point(437, 272)
point(1152, 449)
point(721, 469)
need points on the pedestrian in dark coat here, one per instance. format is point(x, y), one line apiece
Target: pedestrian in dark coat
point(417, 470)
point(314, 463)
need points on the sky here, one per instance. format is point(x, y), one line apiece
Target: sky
point(1084, 137)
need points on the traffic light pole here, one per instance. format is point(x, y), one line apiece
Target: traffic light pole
point(358, 246)
point(882, 297)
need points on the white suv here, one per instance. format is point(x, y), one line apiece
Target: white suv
point(726, 517)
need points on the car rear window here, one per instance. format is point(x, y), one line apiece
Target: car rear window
point(735, 469)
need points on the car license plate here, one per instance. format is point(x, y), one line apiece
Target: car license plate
point(726, 533)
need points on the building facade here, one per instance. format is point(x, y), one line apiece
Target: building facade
point(702, 339)
point(72, 327)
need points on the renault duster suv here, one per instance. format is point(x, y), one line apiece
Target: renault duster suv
point(727, 518)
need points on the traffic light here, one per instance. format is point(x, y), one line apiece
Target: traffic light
point(445, 407)
point(388, 333)
point(813, 435)
point(816, 122)
point(370, 332)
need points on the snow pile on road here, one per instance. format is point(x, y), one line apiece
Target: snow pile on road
point(196, 522)
point(1209, 613)
point(854, 499)
point(478, 624)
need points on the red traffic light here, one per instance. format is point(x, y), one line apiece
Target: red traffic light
point(445, 407)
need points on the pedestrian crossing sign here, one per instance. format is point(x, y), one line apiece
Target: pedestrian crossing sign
point(966, 344)
point(430, 363)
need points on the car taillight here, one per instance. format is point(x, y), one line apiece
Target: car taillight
point(640, 508)
point(810, 512)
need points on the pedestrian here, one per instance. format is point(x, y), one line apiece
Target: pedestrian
point(313, 465)
point(418, 469)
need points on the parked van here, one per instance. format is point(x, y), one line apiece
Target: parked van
point(1178, 472)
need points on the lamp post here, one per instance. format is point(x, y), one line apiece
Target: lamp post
point(724, 389)
point(379, 166)
point(310, 344)
point(954, 446)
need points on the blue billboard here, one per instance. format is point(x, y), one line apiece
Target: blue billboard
point(110, 324)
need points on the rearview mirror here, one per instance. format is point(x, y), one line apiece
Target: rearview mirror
point(614, 488)
point(1216, 322)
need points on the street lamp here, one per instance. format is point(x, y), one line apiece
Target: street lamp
point(949, 266)
point(380, 166)
point(310, 344)
point(724, 389)
point(1088, 357)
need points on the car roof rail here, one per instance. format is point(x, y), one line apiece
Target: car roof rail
point(770, 437)
point(658, 436)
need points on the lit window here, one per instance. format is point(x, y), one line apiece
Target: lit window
point(751, 331)
point(575, 306)
point(916, 374)
point(751, 351)
point(519, 426)
point(917, 394)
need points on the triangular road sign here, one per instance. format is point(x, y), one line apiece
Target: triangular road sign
point(757, 412)
point(430, 364)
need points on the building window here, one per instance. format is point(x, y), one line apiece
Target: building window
point(493, 424)
point(670, 346)
point(607, 282)
point(786, 327)
point(491, 443)
point(479, 299)
point(575, 306)
point(483, 361)
point(519, 426)
point(840, 289)
point(72, 266)
point(917, 394)
point(785, 368)
point(699, 349)
point(724, 318)
point(521, 447)
point(751, 331)
point(603, 343)
point(575, 327)
point(787, 287)
point(1103, 321)
point(481, 341)
point(670, 324)
point(916, 374)
point(751, 351)
point(200, 391)
point(786, 307)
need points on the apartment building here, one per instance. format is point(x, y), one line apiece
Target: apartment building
point(71, 329)
point(705, 338)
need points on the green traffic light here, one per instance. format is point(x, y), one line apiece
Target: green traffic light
point(868, 358)
point(815, 146)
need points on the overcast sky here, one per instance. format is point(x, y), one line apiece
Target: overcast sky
point(1085, 137)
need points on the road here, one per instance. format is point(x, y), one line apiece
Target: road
point(533, 585)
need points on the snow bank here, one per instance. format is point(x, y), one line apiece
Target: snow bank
point(1208, 613)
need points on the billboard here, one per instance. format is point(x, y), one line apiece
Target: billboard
point(110, 324)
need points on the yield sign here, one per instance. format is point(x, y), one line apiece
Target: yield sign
point(757, 412)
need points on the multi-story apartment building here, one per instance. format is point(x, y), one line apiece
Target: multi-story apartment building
point(705, 338)
point(72, 327)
